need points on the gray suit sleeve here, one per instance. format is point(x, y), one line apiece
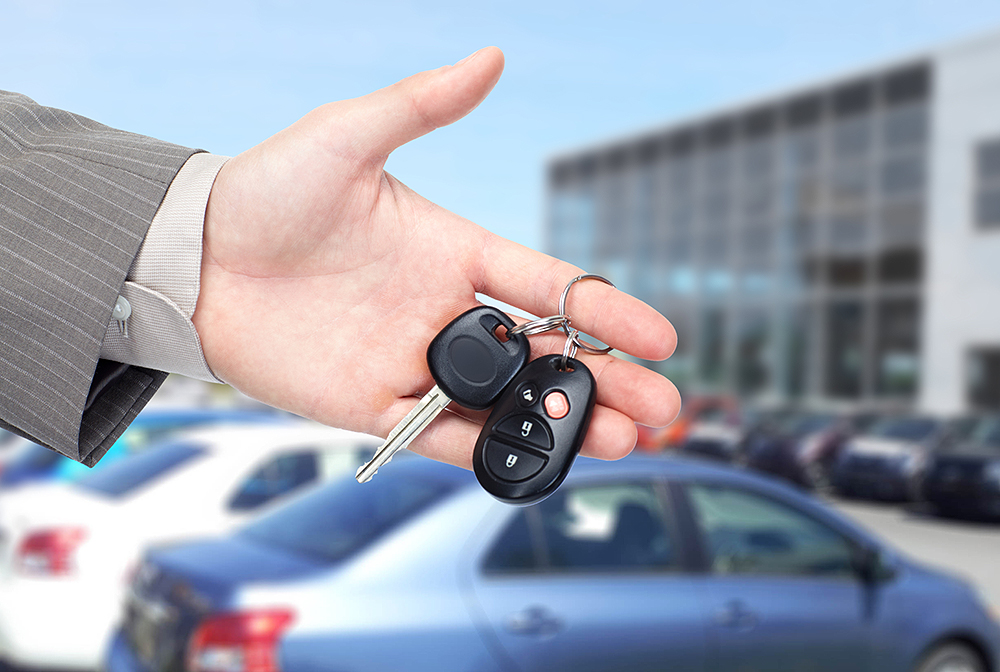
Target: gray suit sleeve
point(76, 199)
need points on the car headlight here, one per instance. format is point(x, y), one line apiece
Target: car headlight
point(992, 472)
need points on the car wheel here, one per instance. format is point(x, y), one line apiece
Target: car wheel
point(952, 657)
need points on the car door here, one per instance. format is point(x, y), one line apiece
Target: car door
point(593, 579)
point(781, 585)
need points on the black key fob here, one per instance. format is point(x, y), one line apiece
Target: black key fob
point(470, 363)
point(535, 431)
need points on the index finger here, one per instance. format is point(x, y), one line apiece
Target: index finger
point(532, 281)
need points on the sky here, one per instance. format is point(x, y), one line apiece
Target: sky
point(225, 75)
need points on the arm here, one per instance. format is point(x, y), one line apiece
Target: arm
point(76, 199)
point(323, 278)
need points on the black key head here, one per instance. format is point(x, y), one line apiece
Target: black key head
point(471, 362)
point(535, 431)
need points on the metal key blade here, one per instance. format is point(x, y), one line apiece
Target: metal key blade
point(408, 428)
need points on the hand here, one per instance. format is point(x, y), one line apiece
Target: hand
point(324, 278)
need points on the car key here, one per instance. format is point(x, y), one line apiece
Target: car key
point(535, 431)
point(470, 364)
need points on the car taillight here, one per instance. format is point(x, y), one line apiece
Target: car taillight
point(244, 641)
point(49, 552)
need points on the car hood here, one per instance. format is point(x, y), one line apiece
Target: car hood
point(870, 445)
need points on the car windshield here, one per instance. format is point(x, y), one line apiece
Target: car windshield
point(342, 518)
point(131, 473)
point(905, 429)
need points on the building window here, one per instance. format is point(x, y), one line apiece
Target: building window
point(900, 266)
point(988, 185)
point(753, 372)
point(984, 378)
point(848, 272)
point(712, 350)
point(898, 329)
point(905, 127)
point(796, 349)
point(845, 355)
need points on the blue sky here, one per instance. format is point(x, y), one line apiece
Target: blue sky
point(225, 75)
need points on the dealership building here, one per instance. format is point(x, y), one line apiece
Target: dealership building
point(840, 241)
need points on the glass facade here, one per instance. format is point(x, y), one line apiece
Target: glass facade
point(785, 242)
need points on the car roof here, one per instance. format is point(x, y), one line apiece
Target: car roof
point(635, 465)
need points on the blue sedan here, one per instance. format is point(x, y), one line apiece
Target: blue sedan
point(642, 564)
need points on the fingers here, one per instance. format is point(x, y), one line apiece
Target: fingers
point(412, 107)
point(451, 438)
point(534, 281)
point(612, 435)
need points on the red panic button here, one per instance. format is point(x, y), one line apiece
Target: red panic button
point(556, 405)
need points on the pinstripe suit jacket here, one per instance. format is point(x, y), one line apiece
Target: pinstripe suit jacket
point(76, 199)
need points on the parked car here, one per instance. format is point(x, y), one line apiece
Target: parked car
point(964, 479)
point(890, 459)
point(30, 462)
point(716, 434)
point(803, 448)
point(642, 564)
point(694, 410)
point(68, 548)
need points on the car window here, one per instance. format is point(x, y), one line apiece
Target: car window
point(337, 460)
point(129, 474)
point(747, 533)
point(513, 551)
point(606, 527)
point(342, 517)
point(278, 476)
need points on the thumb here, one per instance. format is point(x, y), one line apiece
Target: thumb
point(412, 107)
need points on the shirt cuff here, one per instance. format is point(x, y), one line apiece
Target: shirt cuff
point(162, 286)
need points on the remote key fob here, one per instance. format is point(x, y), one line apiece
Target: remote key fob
point(535, 431)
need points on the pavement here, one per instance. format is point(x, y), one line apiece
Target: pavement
point(964, 548)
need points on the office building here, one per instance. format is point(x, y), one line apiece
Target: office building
point(840, 241)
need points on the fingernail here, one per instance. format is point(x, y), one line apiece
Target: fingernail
point(469, 57)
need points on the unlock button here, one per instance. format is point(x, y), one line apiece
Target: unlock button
point(509, 463)
point(529, 429)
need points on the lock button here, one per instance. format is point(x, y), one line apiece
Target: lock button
point(511, 464)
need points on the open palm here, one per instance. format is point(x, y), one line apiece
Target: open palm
point(324, 278)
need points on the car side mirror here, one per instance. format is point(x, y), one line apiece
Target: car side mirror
point(872, 566)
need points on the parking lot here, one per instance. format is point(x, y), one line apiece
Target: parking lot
point(969, 549)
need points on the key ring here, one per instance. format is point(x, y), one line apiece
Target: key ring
point(574, 334)
point(569, 350)
point(540, 325)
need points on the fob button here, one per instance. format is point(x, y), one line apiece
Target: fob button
point(472, 360)
point(511, 464)
point(556, 405)
point(527, 428)
point(527, 395)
